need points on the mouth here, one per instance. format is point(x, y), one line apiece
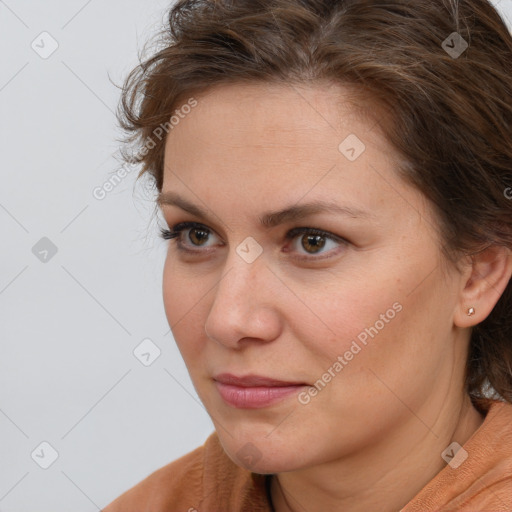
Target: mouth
point(254, 391)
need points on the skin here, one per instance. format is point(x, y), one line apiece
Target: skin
point(373, 437)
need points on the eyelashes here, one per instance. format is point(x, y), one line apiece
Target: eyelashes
point(317, 238)
point(176, 230)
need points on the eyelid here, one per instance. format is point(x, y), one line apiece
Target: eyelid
point(176, 231)
point(293, 233)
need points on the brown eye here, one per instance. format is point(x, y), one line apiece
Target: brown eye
point(313, 243)
point(188, 235)
point(308, 242)
point(198, 236)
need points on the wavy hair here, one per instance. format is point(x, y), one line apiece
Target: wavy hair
point(437, 76)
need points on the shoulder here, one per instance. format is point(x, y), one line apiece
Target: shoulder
point(204, 477)
point(480, 475)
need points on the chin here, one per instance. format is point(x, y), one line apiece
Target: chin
point(265, 463)
point(262, 454)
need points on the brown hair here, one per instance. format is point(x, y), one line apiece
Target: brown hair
point(446, 108)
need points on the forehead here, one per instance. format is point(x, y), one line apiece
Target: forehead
point(268, 109)
point(253, 124)
point(253, 148)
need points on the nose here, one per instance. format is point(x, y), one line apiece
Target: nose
point(245, 307)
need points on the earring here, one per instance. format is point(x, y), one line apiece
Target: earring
point(471, 311)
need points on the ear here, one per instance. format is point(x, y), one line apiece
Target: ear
point(483, 282)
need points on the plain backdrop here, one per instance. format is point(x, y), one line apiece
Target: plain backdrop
point(94, 395)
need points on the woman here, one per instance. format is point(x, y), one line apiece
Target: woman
point(336, 180)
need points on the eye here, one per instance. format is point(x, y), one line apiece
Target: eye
point(314, 241)
point(311, 240)
point(197, 235)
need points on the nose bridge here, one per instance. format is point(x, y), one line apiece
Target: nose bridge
point(242, 283)
point(241, 306)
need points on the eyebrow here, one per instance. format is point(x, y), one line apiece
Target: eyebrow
point(270, 219)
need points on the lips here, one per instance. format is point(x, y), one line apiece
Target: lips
point(249, 381)
point(254, 391)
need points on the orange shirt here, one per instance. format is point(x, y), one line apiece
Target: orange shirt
point(206, 480)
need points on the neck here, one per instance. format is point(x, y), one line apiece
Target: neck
point(387, 475)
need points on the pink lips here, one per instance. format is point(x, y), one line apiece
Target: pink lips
point(253, 391)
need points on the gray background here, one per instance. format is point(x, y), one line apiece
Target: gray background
point(70, 321)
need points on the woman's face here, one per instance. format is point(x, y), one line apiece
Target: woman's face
point(356, 319)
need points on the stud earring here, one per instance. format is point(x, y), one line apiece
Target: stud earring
point(471, 311)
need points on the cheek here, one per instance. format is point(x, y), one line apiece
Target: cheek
point(377, 319)
point(172, 289)
point(183, 297)
point(182, 287)
point(347, 311)
point(391, 341)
